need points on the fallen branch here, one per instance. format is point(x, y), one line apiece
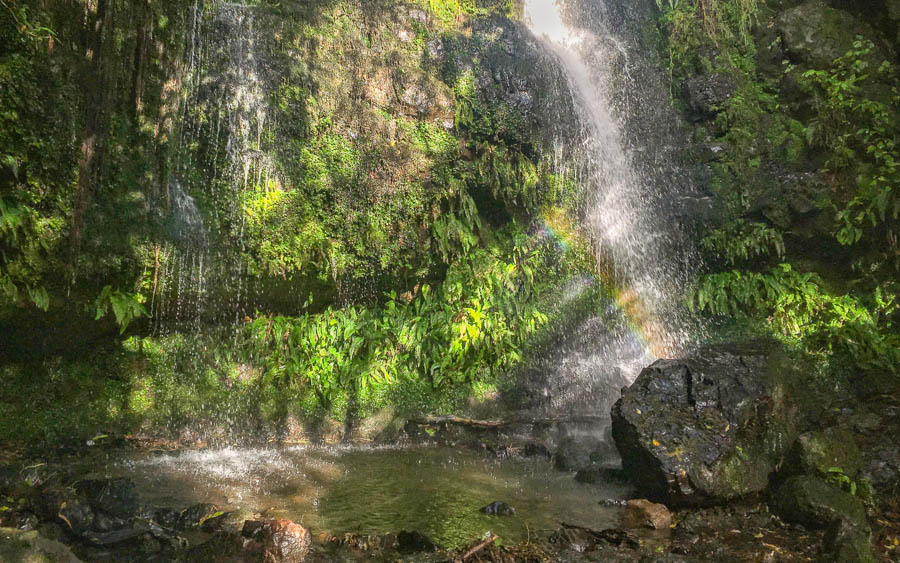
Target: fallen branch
point(479, 547)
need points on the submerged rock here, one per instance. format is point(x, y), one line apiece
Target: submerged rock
point(596, 473)
point(707, 428)
point(641, 513)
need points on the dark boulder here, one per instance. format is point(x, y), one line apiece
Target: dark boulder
point(710, 427)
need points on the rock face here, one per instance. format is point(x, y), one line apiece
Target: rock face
point(707, 93)
point(707, 428)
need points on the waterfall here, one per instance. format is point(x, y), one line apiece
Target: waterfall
point(222, 153)
point(636, 244)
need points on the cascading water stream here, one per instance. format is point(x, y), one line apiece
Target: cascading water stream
point(633, 243)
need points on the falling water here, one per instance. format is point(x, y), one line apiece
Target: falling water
point(222, 154)
point(635, 244)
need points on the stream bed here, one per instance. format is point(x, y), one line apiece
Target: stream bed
point(434, 490)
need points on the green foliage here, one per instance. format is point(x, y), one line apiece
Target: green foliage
point(475, 325)
point(797, 305)
point(861, 488)
point(742, 240)
point(126, 306)
point(692, 24)
point(858, 127)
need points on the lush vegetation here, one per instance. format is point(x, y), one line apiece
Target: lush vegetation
point(807, 184)
point(173, 224)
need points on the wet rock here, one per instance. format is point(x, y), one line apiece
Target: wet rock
point(882, 466)
point(18, 545)
point(815, 34)
point(707, 93)
point(818, 452)
point(280, 540)
point(66, 506)
point(816, 504)
point(641, 513)
point(195, 515)
point(574, 452)
point(498, 508)
point(164, 516)
point(583, 540)
point(414, 542)
point(229, 522)
point(117, 497)
point(707, 428)
point(105, 523)
point(846, 543)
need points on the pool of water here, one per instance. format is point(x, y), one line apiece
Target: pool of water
point(437, 491)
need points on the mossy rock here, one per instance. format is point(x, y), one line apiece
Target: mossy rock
point(846, 543)
point(815, 34)
point(814, 503)
point(16, 545)
point(820, 452)
point(708, 428)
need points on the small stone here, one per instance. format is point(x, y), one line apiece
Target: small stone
point(641, 513)
point(282, 541)
point(498, 508)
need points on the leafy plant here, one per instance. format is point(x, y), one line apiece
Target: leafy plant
point(125, 306)
point(796, 305)
point(860, 133)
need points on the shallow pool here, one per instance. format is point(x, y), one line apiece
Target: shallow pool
point(434, 490)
